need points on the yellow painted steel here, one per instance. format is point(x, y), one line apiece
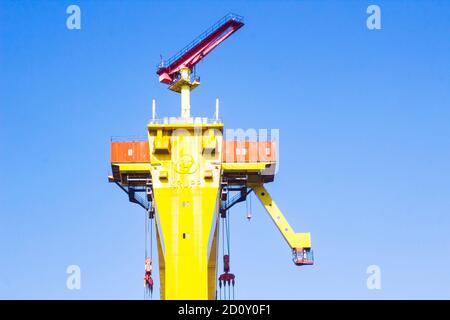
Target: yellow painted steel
point(184, 86)
point(186, 180)
point(185, 102)
point(162, 265)
point(182, 125)
point(184, 80)
point(186, 169)
point(212, 263)
point(295, 240)
point(134, 167)
point(244, 166)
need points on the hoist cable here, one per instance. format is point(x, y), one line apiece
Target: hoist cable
point(250, 201)
point(151, 238)
point(246, 204)
point(151, 252)
point(227, 222)
point(145, 234)
point(223, 236)
point(145, 248)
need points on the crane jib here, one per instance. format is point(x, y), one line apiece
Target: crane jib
point(190, 55)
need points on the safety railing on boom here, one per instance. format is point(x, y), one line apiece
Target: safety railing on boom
point(191, 120)
point(201, 37)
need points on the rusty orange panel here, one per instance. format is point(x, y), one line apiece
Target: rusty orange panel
point(228, 151)
point(252, 151)
point(241, 151)
point(130, 151)
point(248, 151)
point(266, 151)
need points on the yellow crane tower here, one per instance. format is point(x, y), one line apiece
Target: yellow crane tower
point(187, 171)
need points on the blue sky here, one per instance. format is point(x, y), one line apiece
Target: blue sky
point(364, 141)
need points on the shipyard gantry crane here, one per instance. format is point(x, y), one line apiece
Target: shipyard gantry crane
point(187, 172)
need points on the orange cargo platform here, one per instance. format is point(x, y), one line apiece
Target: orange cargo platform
point(232, 151)
point(248, 151)
point(130, 151)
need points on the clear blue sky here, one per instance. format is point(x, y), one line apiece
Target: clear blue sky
point(364, 137)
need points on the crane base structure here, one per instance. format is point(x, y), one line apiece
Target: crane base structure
point(187, 172)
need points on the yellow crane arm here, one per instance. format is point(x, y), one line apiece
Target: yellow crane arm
point(294, 240)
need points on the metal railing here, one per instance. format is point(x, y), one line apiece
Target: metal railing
point(192, 78)
point(201, 37)
point(191, 120)
point(129, 138)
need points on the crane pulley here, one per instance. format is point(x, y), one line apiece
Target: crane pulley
point(226, 279)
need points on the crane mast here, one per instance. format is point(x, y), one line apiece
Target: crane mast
point(187, 172)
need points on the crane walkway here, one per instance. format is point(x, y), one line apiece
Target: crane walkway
point(228, 19)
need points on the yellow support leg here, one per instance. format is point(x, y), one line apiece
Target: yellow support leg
point(186, 181)
point(294, 240)
point(212, 264)
point(162, 265)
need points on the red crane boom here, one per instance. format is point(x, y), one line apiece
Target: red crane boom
point(190, 55)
